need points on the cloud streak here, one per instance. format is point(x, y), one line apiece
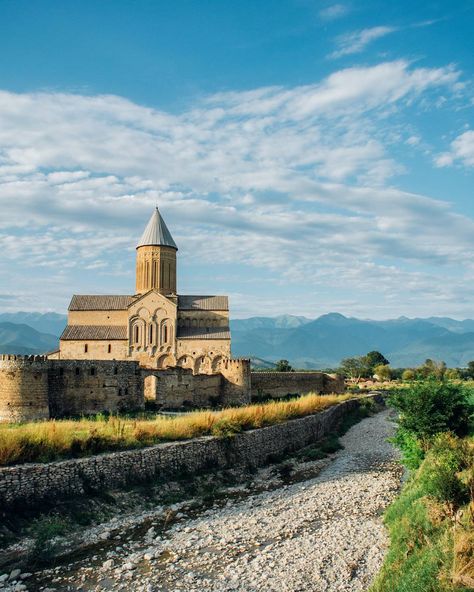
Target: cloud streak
point(292, 181)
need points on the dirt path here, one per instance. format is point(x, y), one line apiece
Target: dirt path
point(324, 534)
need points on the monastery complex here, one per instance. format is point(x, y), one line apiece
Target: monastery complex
point(116, 352)
point(155, 326)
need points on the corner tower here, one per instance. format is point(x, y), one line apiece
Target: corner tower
point(156, 258)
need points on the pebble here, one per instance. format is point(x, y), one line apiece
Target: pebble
point(323, 534)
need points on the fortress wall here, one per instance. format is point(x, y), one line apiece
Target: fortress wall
point(281, 384)
point(23, 388)
point(202, 347)
point(91, 386)
point(178, 386)
point(236, 386)
point(31, 484)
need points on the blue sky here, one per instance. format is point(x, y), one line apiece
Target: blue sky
point(308, 157)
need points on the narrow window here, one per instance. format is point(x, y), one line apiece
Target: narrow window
point(125, 391)
point(115, 370)
point(61, 371)
point(136, 333)
point(109, 348)
point(151, 333)
point(165, 334)
point(86, 348)
point(77, 371)
point(120, 392)
point(92, 371)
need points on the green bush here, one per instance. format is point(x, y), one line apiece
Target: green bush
point(430, 407)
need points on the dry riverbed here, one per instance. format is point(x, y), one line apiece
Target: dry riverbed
point(323, 533)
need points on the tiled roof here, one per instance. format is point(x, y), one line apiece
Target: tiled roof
point(157, 233)
point(100, 302)
point(203, 333)
point(94, 332)
point(203, 303)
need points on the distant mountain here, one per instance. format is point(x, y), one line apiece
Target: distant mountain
point(49, 322)
point(325, 341)
point(22, 339)
point(306, 343)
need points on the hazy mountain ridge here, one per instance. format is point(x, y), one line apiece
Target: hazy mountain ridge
point(306, 343)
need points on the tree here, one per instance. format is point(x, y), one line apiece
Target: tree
point(354, 368)
point(375, 358)
point(432, 369)
point(470, 369)
point(383, 372)
point(408, 374)
point(452, 374)
point(283, 366)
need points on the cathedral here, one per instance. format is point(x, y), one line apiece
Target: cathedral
point(156, 326)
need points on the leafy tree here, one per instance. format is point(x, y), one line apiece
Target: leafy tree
point(283, 366)
point(408, 374)
point(383, 371)
point(354, 368)
point(452, 374)
point(375, 358)
point(470, 369)
point(430, 407)
point(432, 369)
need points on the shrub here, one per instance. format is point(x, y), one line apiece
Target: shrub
point(431, 407)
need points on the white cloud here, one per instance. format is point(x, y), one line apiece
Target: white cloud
point(292, 181)
point(462, 150)
point(333, 12)
point(357, 41)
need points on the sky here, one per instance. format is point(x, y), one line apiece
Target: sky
point(308, 156)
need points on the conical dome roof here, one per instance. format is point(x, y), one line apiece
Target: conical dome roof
point(157, 233)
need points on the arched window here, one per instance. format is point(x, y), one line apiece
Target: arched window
point(136, 333)
point(165, 333)
point(109, 348)
point(86, 348)
point(151, 334)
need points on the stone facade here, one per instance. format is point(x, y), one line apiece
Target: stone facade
point(282, 384)
point(154, 326)
point(31, 484)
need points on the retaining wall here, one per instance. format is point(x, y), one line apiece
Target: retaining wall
point(31, 484)
point(281, 384)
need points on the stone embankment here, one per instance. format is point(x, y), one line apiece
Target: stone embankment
point(320, 534)
point(32, 484)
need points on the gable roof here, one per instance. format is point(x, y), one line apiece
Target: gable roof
point(203, 303)
point(100, 302)
point(157, 233)
point(203, 333)
point(94, 332)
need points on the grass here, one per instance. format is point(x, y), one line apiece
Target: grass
point(431, 523)
point(56, 439)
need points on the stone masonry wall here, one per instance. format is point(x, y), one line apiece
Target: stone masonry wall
point(31, 484)
point(281, 384)
point(23, 388)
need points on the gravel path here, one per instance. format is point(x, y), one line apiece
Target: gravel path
point(324, 534)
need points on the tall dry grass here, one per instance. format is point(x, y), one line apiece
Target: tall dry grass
point(54, 439)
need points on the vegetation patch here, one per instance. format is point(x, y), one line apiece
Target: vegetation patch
point(56, 439)
point(431, 523)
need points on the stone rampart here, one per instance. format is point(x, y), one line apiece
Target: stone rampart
point(282, 384)
point(31, 484)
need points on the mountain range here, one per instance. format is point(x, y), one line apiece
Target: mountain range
point(306, 343)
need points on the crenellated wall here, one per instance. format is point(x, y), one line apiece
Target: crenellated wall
point(34, 387)
point(282, 384)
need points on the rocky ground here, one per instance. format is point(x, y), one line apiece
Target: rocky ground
point(319, 534)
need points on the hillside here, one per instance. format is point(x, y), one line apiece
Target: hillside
point(21, 339)
point(306, 343)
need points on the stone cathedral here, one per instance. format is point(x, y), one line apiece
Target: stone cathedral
point(156, 326)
